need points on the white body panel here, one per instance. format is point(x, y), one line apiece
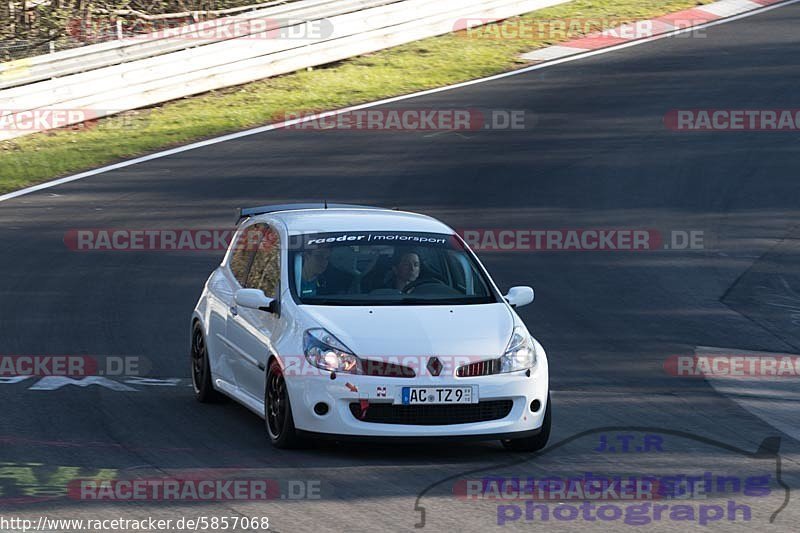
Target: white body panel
point(241, 342)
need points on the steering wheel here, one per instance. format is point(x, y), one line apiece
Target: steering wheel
point(420, 282)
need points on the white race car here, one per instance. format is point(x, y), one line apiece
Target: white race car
point(350, 321)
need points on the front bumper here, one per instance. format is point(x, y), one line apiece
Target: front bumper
point(520, 389)
point(421, 440)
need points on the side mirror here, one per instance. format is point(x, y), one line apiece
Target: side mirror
point(519, 296)
point(254, 299)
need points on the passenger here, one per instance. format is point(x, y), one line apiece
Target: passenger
point(315, 264)
point(405, 270)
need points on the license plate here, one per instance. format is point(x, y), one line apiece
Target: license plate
point(438, 395)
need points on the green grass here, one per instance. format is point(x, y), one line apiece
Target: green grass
point(416, 66)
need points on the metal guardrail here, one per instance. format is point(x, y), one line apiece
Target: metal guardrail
point(356, 27)
point(85, 58)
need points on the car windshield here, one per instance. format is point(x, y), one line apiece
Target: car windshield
point(385, 268)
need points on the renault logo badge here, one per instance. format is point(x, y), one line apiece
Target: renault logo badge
point(434, 366)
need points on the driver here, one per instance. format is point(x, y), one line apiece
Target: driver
point(405, 270)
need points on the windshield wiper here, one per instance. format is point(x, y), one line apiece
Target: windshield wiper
point(335, 301)
point(444, 301)
point(400, 301)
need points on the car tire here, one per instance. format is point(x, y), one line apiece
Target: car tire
point(278, 417)
point(201, 368)
point(537, 442)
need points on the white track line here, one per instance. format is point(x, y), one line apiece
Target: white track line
point(280, 125)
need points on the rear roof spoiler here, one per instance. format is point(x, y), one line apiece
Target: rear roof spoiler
point(264, 209)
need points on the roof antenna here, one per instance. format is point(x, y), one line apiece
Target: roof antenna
point(326, 203)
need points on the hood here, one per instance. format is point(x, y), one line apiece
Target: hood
point(473, 330)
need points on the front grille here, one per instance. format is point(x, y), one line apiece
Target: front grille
point(433, 415)
point(481, 368)
point(372, 367)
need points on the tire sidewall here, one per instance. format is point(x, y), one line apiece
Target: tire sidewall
point(201, 390)
point(288, 437)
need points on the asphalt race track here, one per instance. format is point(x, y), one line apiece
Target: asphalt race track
point(595, 154)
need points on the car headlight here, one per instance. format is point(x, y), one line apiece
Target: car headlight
point(325, 351)
point(520, 353)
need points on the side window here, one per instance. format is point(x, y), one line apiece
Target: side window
point(265, 274)
point(244, 250)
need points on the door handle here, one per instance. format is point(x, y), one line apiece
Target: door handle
point(234, 311)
